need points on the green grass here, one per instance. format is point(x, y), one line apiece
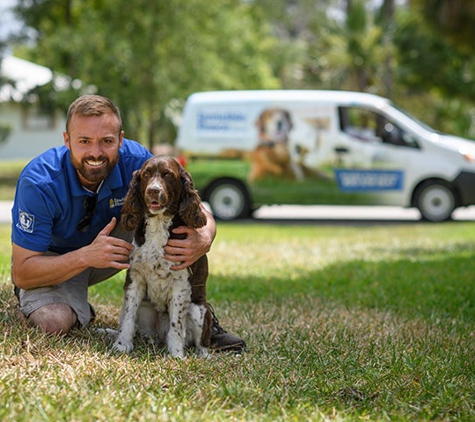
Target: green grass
point(343, 323)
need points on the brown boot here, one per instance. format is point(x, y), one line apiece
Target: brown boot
point(222, 341)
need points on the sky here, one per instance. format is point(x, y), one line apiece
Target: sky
point(7, 20)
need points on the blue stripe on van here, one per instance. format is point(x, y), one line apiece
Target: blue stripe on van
point(369, 180)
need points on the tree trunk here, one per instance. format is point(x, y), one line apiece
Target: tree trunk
point(387, 22)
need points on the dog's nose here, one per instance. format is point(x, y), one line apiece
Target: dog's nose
point(153, 192)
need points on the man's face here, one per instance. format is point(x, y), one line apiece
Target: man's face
point(94, 144)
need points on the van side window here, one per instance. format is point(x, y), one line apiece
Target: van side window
point(366, 125)
point(391, 133)
point(358, 122)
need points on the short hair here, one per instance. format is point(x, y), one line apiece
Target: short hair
point(92, 105)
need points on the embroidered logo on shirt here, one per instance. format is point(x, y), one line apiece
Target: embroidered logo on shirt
point(26, 221)
point(116, 202)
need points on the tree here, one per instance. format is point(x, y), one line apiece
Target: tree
point(156, 52)
point(452, 20)
point(435, 78)
point(434, 50)
point(347, 51)
point(388, 24)
point(149, 55)
point(334, 44)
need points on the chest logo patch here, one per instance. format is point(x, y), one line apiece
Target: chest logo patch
point(116, 202)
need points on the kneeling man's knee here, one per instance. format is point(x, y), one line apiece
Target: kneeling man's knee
point(56, 318)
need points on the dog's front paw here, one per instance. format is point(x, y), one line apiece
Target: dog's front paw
point(202, 352)
point(176, 352)
point(122, 346)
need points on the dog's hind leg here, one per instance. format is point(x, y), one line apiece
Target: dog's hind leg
point(194, 328)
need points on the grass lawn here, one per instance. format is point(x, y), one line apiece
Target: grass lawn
point(342, 323)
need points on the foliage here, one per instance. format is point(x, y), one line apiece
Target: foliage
point(353, 51)
point(154, 53)
point(452, 20)
point(431, 62)
point(148, 60)
point(343, 323)
point(432, 71)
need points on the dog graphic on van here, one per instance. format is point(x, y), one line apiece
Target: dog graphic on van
point(271, 155)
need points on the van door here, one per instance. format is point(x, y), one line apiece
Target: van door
point(376, 157)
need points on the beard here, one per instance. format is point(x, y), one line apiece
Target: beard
point(91, 174)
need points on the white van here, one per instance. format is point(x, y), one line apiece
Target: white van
point(245, 149)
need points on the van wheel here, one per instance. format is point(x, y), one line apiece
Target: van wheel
point(228, 199)
point(435, 201)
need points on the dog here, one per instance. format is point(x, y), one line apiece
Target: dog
point(160, 302)
point(271, 156)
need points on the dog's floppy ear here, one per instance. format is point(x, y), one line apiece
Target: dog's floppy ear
point(134, 205)
point(189, 208)
point(289, 119)
point(260, 123)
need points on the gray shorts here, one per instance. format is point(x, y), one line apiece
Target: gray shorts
point(72, 292)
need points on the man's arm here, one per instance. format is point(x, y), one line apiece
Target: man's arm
point(196, 243)
point(32, 269)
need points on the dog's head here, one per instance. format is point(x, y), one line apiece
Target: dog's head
point(162, 187)
point(274, 125)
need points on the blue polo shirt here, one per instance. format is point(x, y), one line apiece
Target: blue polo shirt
point(49, 200)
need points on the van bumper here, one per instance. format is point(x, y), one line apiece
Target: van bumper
point(465, 184)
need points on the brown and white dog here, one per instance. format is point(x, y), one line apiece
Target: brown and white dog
point(158, 301)
point(271, 155)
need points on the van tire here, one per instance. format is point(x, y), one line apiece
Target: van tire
point(229, 199)
point(436, 200)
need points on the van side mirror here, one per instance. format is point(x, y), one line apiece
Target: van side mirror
point(392, 134)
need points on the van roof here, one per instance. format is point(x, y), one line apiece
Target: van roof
point(342, 97)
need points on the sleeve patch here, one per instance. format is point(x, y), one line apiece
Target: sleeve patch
point(26, 221)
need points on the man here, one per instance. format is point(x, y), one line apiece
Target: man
point(66, 234)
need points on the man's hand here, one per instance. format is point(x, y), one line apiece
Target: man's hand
point(107, 251)
point(184, 252)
